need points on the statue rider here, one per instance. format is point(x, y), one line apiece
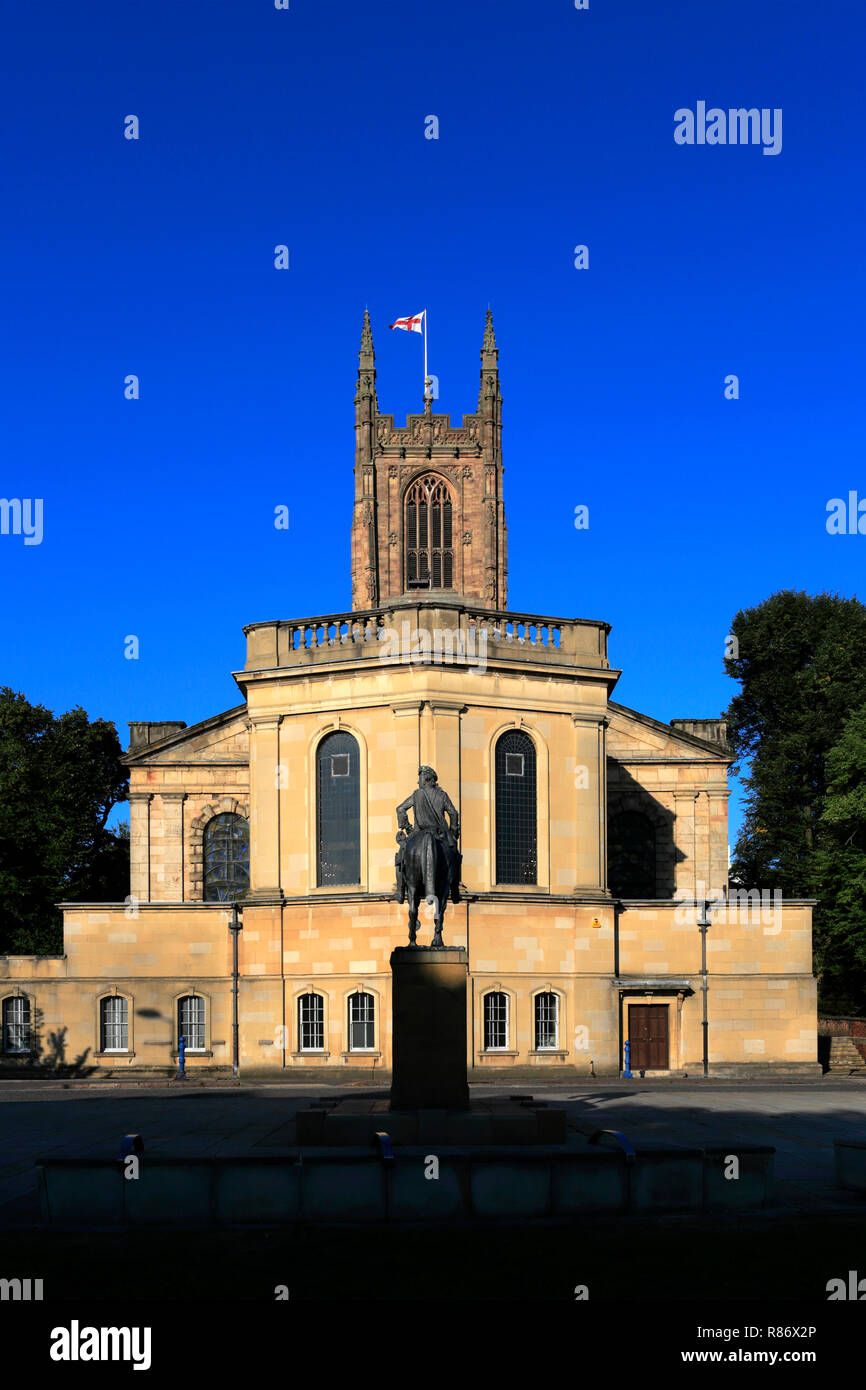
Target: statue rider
point(429, 805)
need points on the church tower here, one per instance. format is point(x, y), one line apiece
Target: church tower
point(429, 517)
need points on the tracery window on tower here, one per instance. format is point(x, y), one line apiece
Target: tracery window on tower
point(428, 534)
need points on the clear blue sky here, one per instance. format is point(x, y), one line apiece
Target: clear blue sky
point(306, 127)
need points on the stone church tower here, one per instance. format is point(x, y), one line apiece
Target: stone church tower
point(429, 515)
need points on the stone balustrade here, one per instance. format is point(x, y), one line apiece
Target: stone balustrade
point(431, 630)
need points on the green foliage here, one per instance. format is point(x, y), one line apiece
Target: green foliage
point(59, 779)
point(801, 661)
point(840, 873)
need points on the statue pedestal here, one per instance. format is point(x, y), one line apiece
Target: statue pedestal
point(429, 1028)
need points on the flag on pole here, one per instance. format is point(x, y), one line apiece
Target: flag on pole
point(414, 324)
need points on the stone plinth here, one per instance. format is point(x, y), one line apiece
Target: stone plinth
point(429, 1028)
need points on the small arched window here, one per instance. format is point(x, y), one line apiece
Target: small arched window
point(632, 856)
point(362, 1022)
point(311, 1023)
point(191, 1022)
point(226, 858)
point(546, 1021)
point(338, 810)
point(114, 1024)
point(16, 1023)
point(495, 1021)
point(428, 535)
point(516, 811)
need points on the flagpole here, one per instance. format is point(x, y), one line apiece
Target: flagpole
point(425, 356)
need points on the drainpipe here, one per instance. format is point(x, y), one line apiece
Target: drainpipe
point(234, 927)
point(703, 924)
point(471, 995)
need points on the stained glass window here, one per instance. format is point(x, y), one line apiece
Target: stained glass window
point(516, 811)
point(338, 810)
point(226, 858)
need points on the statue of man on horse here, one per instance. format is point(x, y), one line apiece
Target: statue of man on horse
point(428, 860)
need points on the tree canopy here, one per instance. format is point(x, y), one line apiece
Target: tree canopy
point(801, 662)
point(60, 777)
point(840, 873)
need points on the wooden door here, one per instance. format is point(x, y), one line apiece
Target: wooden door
point(648, 1034)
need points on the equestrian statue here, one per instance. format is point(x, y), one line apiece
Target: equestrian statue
point(428, 860)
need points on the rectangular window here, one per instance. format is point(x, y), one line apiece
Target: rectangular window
point(191, 1023)
point(311, 1022)
point(495, 1022)
point(362, 1032)
point(514, 764)
point(16, 1024)
point(546, 1021)
point(115, 1025)
point(339, 764)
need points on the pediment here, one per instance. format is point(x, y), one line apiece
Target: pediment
point(224, 738)
point(632, 736)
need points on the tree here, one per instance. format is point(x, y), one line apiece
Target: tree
point(840, 873)
point(801, 660)
point(60, 777)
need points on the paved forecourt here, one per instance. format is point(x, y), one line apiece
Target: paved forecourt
point(71, 1120)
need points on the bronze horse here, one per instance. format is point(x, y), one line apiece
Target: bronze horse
point(423, 871)
point(428, 860)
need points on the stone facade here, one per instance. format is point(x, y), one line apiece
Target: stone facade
point(434, 677)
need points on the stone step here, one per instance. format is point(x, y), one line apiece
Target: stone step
point(845, 1055)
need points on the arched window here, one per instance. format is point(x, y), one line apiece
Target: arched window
point(191, 1022)
point(495, 1021)
point(16, 1023)
point(362, 1022)
point(631, 856)
point(546, 1021)
point(338, 810)
point(428, 541)
point(516, 814)
point(311, 1023)
point(114, 1024)
point(226, 858)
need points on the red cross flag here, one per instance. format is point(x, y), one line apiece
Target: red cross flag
point(415, 324)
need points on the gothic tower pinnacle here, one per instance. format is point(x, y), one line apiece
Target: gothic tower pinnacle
point(429, 516)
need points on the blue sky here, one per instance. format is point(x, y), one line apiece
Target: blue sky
point(306, 127)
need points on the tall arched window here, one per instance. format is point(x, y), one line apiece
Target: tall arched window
point(226, 858)
point(16, 1023)
point(362, 1022)
point(428, 540)
point(338, 810)
point(516, 813)
point(631, 856)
